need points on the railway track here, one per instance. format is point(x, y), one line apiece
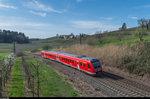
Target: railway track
point(109, 84)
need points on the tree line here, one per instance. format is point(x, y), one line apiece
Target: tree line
point(7, 36)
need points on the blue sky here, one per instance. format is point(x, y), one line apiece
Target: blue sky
point(46, 18)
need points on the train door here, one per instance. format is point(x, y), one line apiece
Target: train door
point(78, 65)
point(57, 57)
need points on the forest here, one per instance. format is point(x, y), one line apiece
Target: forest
point(7, 36)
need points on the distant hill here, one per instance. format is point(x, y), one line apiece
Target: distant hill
point(34, 39)
point(118, 37)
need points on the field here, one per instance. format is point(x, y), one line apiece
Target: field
point(52, 84)
point(2, 55)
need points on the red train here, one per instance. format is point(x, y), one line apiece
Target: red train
point(89, 65)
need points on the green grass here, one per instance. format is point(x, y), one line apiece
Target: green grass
point(3, 54)
point(17, 89)
point(5, 45)
point(5, 49)
point(126, 39)
point(27, 51)
point(40, 49)
point(52, 84)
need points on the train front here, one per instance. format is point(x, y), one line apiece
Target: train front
point(97, 66)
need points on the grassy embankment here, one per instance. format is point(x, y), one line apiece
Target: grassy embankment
point(52, 84)
point(17, 88)
point(127, 53)
point(3, 54)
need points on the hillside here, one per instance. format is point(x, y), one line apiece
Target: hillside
point(118, 37)
point(128, 54)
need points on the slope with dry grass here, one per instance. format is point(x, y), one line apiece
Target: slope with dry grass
point(133, 58)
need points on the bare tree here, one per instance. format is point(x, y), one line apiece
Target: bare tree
point(81, 36)
point(119, 37)
point(143, 23)
point(99, 36)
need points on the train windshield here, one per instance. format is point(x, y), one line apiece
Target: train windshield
point(96, 64)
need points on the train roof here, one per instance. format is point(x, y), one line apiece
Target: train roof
point(89, 58)
point(72, 55)
point(52, 51)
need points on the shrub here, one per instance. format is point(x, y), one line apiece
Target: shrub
point(46, 47)
point(19, 54)
point(34, 50)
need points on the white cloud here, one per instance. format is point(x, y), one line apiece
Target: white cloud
point(7, 6)
point(38, 13)
point(133, 17)
point(30, 28)
point(106, 18)
point(85, 24)
point(41, 7)
point(5, 25)
point(79, 0)
point(21, 24)
point(94, 25)
point(143, 6)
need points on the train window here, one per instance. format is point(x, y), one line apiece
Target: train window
point(89, 66)
point(72, 61)
point(84, 65)
point(68, 60)
point(81, 64)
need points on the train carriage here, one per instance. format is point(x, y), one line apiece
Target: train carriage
point(89, 65)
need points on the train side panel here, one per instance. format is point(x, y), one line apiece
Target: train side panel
point(84, 65)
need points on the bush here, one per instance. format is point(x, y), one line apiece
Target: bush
point(20, 54)
point(34, 50)
point(46, 47)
